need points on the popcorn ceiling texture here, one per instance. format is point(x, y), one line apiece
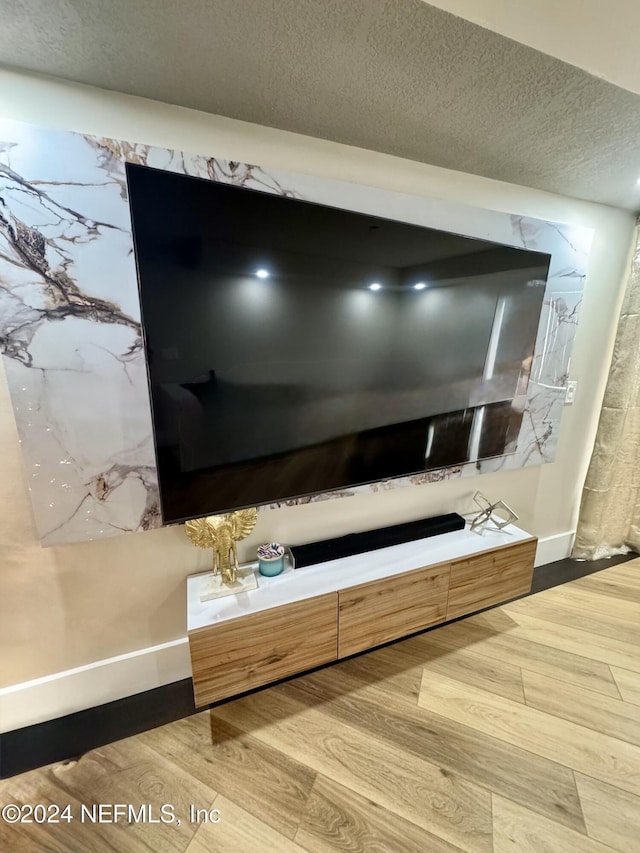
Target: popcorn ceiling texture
point(395, 76)
point(610, 512)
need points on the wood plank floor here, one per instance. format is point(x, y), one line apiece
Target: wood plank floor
point(517, 729)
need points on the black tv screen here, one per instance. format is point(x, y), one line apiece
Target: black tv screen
point(296, 348)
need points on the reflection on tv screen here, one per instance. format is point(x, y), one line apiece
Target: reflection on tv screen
point(296, 348)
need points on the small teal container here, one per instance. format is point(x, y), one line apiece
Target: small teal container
point(270, 559)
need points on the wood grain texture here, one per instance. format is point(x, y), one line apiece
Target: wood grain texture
point(625, 573)
point(612, 816)
point(238, 831)
point(518, 830)
point(574, 641)
point(124, 772)
point(240, 767)
point(393, 669)
point(423, 745)
point(511, 648)
point(416, 790)
point(628, 684)
point(374, 613)
point(399, 668)
point(235, 656)
point(241, 654)
point(592, 753)
point(592, 621)
point(490, 578)
point(570, 595)
point(593, 710)
point(545, 786)
point(606, 586)
point(501, 678)
point(630, 569)
point(253, 775)
point(336, 818)
point(32, 788)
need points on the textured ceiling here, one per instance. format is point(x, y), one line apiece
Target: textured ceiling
point(600, 37)
point(397, 76)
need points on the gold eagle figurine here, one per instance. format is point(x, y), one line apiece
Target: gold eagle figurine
point(221, 532)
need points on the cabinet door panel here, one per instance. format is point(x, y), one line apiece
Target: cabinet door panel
point(376, 612)
point(490, 578)
point(241, 654)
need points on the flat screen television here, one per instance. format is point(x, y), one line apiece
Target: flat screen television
point(297, 348)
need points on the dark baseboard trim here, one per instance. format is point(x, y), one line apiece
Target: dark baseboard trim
point(67, 738)
point(563, 571)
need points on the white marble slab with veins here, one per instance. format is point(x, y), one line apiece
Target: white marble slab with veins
point(70, 330)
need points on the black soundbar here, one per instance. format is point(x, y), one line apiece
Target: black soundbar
point(370, 540)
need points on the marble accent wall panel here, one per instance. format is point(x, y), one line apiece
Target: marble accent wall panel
point(70, 330)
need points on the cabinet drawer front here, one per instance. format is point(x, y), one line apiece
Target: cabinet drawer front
point(253, 650)
point(491, 578)
point(374, 613)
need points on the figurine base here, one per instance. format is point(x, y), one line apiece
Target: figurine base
point(212, 586)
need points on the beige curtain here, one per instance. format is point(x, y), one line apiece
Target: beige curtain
point(610, 511)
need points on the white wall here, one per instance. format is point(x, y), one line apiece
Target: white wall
point(68, 606)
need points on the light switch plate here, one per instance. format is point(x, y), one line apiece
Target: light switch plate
point(570, 394)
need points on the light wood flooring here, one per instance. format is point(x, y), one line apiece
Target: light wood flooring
point(517, 729)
